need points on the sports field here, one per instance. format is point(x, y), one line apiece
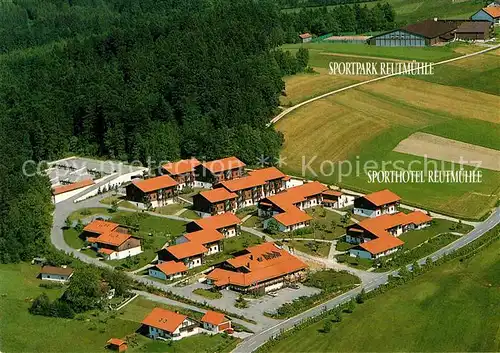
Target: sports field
point(368, 122)
point(453, 308)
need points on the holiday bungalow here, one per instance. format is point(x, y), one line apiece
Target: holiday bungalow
point(58, 274)
point(189, 253)
point(155, 192)
point(286, 208)
point(219, 170)
point(183, 172)
point(165, 324)
point(111, 241)
point(215, 322)
point(168, 270)
point(249, 190)
point(377, 237)
point(376, 204)
point(305, 37)
point(214, 202)
point(209, 238)
point(490, 13)
point(261, 268)
point(336, 199)
point(226, 223)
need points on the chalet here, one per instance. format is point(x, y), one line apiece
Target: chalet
point(261, 268)
point(287, 207)
point(165, 324)
point(376, 204)
point(117, 344)
point(305, 37)
point(215, 322)
point(214, 202)
point(274, 179)
point(474, 30)
point(156, 192)
point(336, 199)
point(111, 241)
point(58, 274)
point(219, 170)
point(377, 237)
point(183, 172)
point(490, 13)
point(209, 238)
point(168, 270)
point(227, 224)
point(189, 253)
point(249, 190)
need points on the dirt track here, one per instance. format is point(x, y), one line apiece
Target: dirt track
point(440, 148)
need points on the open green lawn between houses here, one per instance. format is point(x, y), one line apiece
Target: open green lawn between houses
point(311, 247)
point(154, 231)
point(452, 308)
point(22, 332)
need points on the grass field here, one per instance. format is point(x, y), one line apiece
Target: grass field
point(414, 10)
point(314, 248)
point(414, 238)
point(19, 286)
point(155, 232)
point(453, 308)
point(366, 123)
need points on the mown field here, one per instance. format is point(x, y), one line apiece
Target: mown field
point(414, 10)
point(453, 308)
point(22, 332)
point(366, 123)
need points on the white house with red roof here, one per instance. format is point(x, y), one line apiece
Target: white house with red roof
point(165, 324)
point(111, 241)
point(168, 270)
point(377, 204)
point(183, 172)
point(377, 237)
point(156, 192)
point(215, 322)
point(337, 199)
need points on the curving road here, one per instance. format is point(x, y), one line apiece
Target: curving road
point(252, 343)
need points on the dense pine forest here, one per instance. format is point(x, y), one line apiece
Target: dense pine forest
point(134, 80)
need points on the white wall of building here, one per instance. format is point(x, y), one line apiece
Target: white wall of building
point(54, 277)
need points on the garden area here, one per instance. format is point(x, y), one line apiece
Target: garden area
point(86, 332)
point(310, 247)
point(332, 283)
point(154, 232)
point(208, 294)
point(118, 200)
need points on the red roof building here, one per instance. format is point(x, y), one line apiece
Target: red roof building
point(227, 224)
point(166, 324)
point(215, 322)
point(168, 270)
point(117, 344)
point(220, 170)
point(214, 202)
point(183, 171)
point(61, 189)
point(376, 204)
point(261, 268)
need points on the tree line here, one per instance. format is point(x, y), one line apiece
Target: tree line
point(341, 19)
point(286, 4)
point(128, 80)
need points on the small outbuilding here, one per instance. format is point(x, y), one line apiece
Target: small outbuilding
point(305, 37)
point(474, 30)
point(58, 274)
point(215, 322)
point(490, 13)
point(117, 344)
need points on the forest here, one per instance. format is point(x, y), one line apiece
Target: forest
point(286, 4)
point(128, 80)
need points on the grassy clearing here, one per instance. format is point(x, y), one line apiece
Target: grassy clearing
point(453, 308)
point(414, 238)
point(382, 114)
point(311, 247)
point(170, 209)
point(253, 222)
point(362, 264)
point(89, 333)
point(207, 293)
point(190, 214)
point(408, 11)
point(154, 231)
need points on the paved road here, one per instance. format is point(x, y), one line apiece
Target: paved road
point(255, 341)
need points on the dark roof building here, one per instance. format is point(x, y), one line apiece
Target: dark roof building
point(424, 33)
point(474, 30)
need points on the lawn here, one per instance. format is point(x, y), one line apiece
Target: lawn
point(190, 214)
point(89, 333)
point(253, 222)
point(205, 293)
point(453, 308)
point(314, 248)
point(328, 224)
point(245, 211)
point(154, 231)
point(408, 11)
point(122, 202)
point(170, 209)
point(199, 344)
point(414, 238)
point(380, 115)
point(362, 264)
